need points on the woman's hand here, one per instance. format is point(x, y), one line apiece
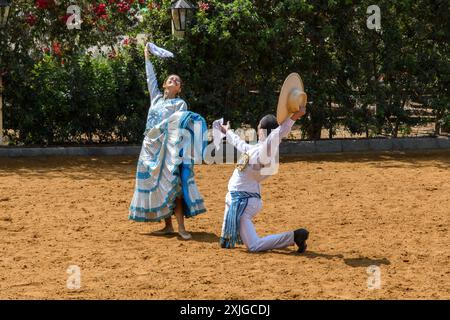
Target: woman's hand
point(146, 53)
point(225, 128)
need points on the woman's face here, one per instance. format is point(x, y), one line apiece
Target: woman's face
point(173, 84)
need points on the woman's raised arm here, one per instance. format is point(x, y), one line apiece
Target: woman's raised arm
point(152, 82)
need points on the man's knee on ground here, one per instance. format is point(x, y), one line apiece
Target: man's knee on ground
point(254, 247)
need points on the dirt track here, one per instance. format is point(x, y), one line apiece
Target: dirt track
point(392, 211)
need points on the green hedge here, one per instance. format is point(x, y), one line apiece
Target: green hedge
point(233, 61)
point(87, 100)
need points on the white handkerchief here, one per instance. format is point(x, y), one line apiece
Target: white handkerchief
point(159, 52)
point(217, 134)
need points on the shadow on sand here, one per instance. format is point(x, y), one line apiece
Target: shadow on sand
point(366, 262)
point(352, 262)
point(206, 237)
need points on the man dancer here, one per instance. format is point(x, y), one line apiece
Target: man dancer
point(257, 163)
point(243, 200)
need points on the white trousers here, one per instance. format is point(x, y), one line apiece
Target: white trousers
point(248, 232)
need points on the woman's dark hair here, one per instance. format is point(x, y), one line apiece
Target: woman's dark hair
point(268, 122)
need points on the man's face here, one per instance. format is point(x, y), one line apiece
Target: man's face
point(261, 133)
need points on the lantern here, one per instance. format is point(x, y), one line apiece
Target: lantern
point(182, 12)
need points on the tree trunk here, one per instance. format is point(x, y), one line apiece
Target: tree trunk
point(314, 131)
point(437, 127)
point(395, 133)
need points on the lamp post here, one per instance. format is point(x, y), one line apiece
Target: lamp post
point(181, 14)
point(4, 13)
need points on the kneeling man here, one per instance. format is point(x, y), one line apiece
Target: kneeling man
point(257, 163)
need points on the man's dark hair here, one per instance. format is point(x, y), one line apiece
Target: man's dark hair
point(268, 122)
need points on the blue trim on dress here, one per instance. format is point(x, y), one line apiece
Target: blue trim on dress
point(142, 219)
point(189, 205)
point(165, 203)
point(177, 142)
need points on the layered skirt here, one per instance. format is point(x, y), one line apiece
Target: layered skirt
point(165, 168)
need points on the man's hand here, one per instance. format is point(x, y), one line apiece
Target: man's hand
point(225, 128)
point(299, 113)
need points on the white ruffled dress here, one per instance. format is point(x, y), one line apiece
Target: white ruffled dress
point(164, 171)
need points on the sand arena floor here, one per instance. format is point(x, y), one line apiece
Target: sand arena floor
point(391, 211)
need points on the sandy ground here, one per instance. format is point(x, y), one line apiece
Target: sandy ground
point(391, 211)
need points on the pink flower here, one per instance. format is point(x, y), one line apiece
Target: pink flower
point(203, 6)
point(56, 48)
point(31, 19)
point(123, 6)
point(100, 9)
point(126, 42)
point(42, 4)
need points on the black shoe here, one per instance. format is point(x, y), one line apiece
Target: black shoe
point(300, 237)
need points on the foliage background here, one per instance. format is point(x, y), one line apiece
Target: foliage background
point(233, 60)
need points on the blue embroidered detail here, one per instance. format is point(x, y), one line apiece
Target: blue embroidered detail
point(185, 171)
point(232, 221)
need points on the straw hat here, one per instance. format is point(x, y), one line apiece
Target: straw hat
point(292, 97)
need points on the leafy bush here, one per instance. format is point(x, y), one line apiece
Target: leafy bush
point(87, 100)
point(233, 61)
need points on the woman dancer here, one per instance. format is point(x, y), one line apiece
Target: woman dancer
point(164, 183)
